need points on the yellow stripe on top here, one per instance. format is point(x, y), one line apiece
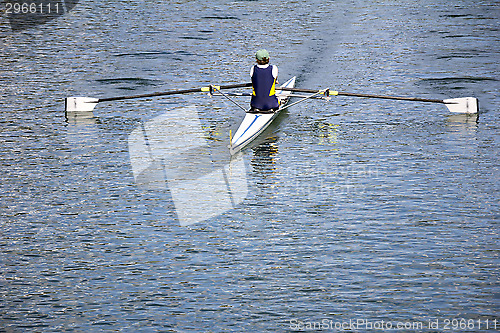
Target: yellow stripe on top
point(273, 89)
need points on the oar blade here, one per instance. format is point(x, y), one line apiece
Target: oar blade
point(462, 105)
point(81, 104)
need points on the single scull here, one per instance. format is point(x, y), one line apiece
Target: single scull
point(255, 123)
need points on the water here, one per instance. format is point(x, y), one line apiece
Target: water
point(353, 209)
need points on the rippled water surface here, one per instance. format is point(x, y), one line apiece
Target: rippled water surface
point(352, 209)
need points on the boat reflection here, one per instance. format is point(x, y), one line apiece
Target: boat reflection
point(171, 152)
point(264, 155)
point(265, 167)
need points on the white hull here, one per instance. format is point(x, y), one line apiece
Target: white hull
point(255, 123)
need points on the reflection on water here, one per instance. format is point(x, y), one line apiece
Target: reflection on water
point(265, 167)
point(468, 120)
point(80, 117)
point(463, 127)
point(171, 152)
point(327, 133)
point(264, 155)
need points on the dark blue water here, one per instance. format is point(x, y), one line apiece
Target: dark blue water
point(351, 214)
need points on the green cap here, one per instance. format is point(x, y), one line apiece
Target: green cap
point(262, 54)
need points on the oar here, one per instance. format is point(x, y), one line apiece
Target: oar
point(87, 104)
point(459, 105)
point(227, 96)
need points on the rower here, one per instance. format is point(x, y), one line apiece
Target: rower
point(264, 79)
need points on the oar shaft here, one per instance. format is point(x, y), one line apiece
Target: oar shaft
point(165, 93)
point(416, 99)
point(229, 98)
point(174, 92)
point(340, 93)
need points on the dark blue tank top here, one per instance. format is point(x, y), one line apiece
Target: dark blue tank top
point(263, 81)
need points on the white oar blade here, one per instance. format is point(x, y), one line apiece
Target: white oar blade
point(80, 104)
point(462, 105)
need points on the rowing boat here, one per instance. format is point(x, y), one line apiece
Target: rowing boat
point(255, 123)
